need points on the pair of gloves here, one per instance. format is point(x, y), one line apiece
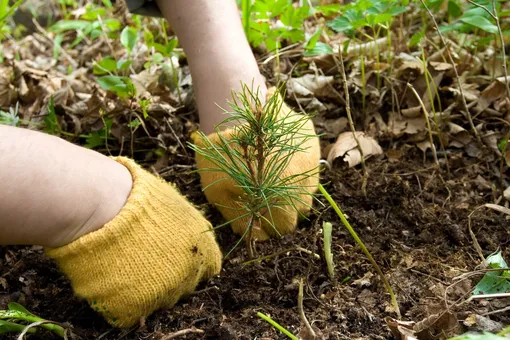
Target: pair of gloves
point(159, 246)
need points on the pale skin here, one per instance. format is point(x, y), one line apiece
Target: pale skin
point(53, 192)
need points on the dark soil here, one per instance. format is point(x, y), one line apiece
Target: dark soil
point(413, 219)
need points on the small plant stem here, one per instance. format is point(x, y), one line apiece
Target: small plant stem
point(302, 315)
point(249, 238)
point(351, 123)
point(501, 38)
point(428, 79)
point(49, 325)
point(276, 325)
point(459, 84)
point(362, 246)
point(426, 115)
point(363, 83)
point(327, 229)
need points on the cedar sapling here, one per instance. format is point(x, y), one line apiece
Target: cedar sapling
point(255, 156)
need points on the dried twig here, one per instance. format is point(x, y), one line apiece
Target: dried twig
point(426, 115)
point(182, 332)
point(351, 123)
point(302, 315)
point(457, 77)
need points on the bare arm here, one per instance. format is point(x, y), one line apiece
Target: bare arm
point(53, 191)
point(218, 53)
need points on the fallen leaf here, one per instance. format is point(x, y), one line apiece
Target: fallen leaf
point(309, 85)
point(346, 147)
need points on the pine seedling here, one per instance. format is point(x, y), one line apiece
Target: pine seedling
point(255, 156)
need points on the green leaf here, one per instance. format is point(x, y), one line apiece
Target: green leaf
point(105, 65)
point(454, 9)
point(57, 43)
point(313, 39)
point(397, 10)
point(51, 123)
point(11, 327)
point(94, 140)
point(378, 19)
point(19, 308)
point(328, 9)
point(480, 22)
point(66, 25)
point(123, 64)
point(319, 49)
point(417, 37)
point(134, 123)
point(128, 38)
point(122, 86)
point(340, 24)
point(494, 282)
point(112, 24)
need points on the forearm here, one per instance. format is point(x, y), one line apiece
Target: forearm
point(217, 50)
point(52, 190)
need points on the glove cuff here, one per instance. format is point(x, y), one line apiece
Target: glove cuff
point(153, 252)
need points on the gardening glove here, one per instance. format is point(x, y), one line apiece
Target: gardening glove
point(225, 194)
point(155, 251)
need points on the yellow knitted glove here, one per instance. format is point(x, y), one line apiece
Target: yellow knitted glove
point(152, 253)
point(225, 193)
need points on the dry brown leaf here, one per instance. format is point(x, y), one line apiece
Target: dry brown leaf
point(309, 85)
point(345, 147)
point(438, 326)
point(408, 67)
point(407, 126)
point(490, 94)
point(401, 330)
point(8, 93)
point(440, 66)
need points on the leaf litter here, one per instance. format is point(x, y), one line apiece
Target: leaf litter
point(414, 217)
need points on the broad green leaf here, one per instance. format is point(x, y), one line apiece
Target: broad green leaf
point(417, 37)
point(172, 44)
point(92, 13)
point(122, 86)
point(313, 39)
point(328, 9)
point(378, 18)
point(128, 38)
point(480, 22)
point(319, 49)
point(494, 282)
point(454, 8)
point(112, 24)
point(66, 25)
point(94, 140)
point(105, 65)
point(123, 64)
point(340, 24)
point(397, 10)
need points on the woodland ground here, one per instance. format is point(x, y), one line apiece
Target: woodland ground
point(413, 218)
